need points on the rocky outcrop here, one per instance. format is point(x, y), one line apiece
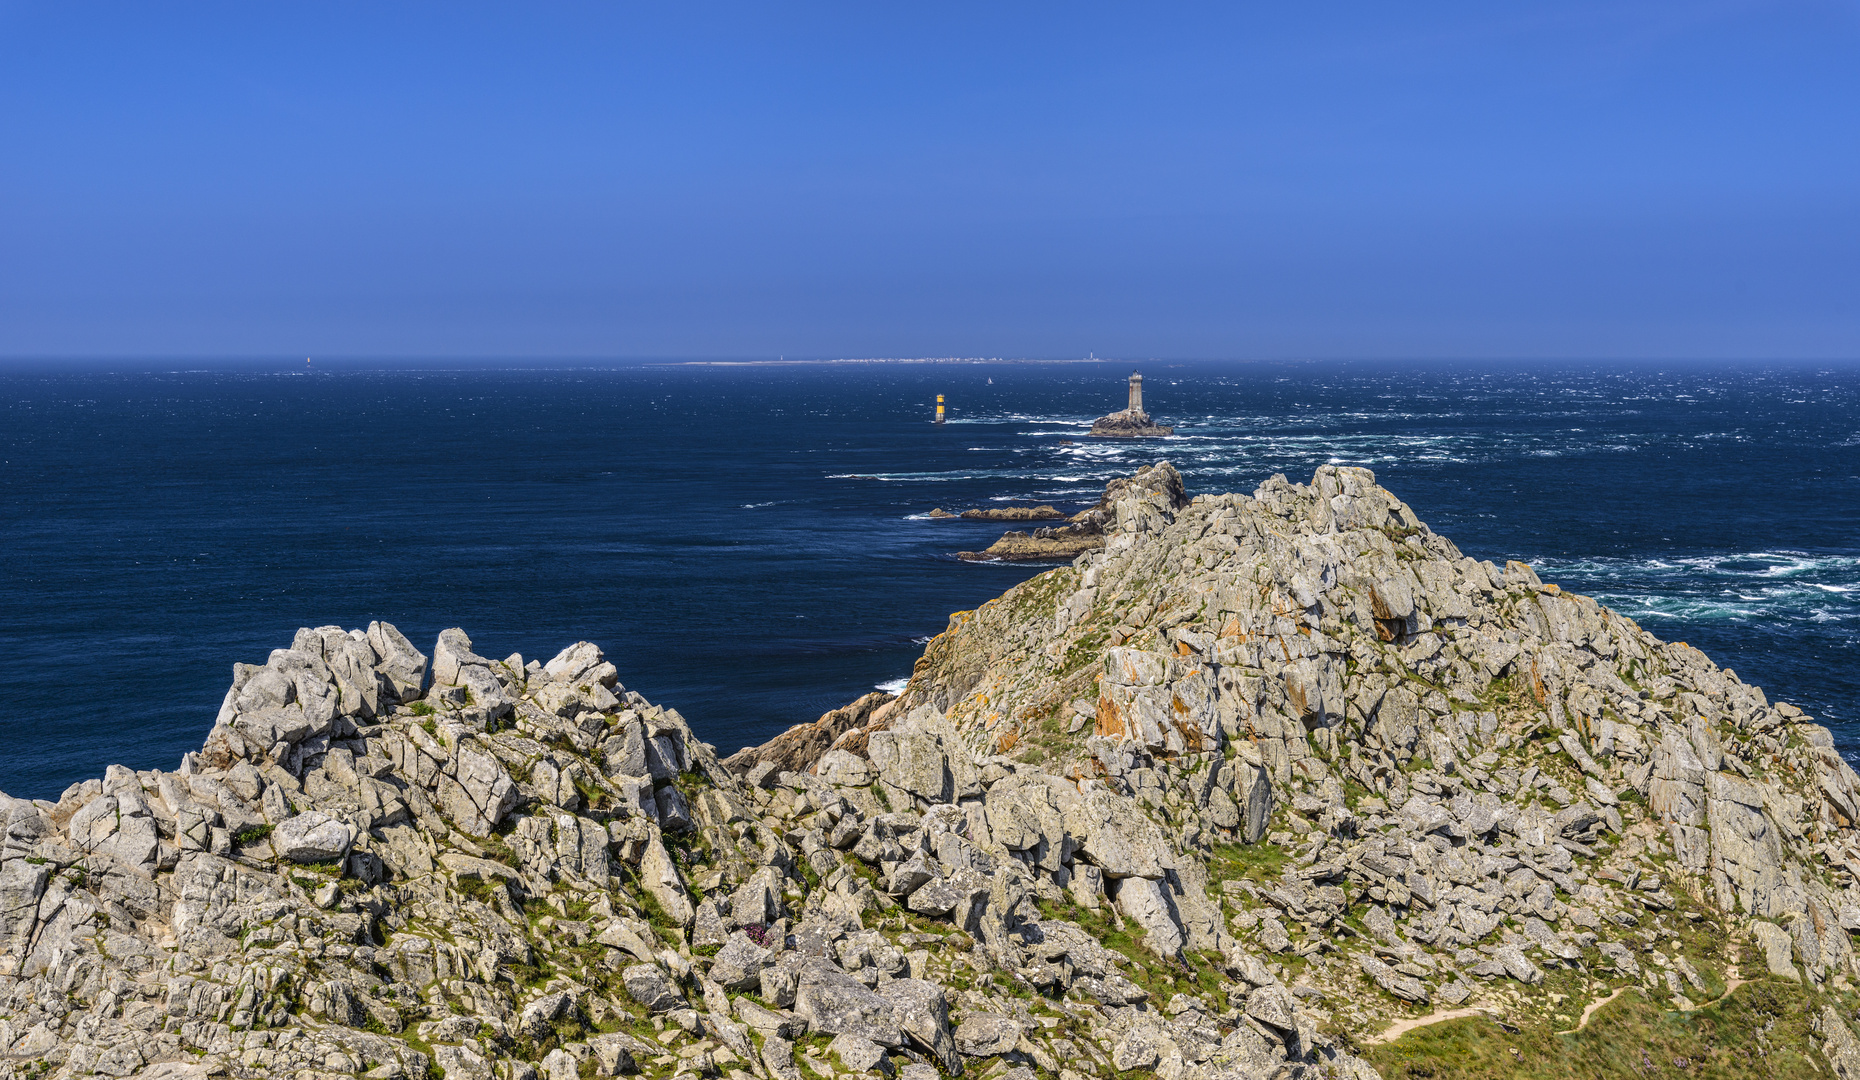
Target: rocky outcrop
point(1159, 487)
point(1222, 799)
point(1039, 545)
point(1128, 424)
point(1498, 779)
point(801, 746)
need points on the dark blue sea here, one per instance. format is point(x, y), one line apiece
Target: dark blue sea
point(749, 545)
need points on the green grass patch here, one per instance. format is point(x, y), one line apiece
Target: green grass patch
point(1087, 650)
point(1256, 862)
point(649, 906)
point(1146, 969)
point(1763, 1030)
point(592, 794)
point(477, 888)
point(499, 849)
point(252, 834)
point(419, 1045)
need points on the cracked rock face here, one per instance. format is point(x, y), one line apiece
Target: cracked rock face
point(1261, 770)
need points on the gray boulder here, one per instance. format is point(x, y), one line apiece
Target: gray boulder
point(1274, 1007)
point(986, 1035)
point(911, 763)
point(1147, 903)
point(843, 769)
point(659, 876)
point(1402, 986)
point(312, 837)
point(738, 965)
point(462, 1063)
point(451, 654)
point(922, 1013)
point(649, 985)
point(834, 1002)
point(1778, 949)
point(862, 1055)
point(913, 872)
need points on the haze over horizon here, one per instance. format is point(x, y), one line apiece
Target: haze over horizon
point(1571, 180)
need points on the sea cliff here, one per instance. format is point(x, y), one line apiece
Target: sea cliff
point(1246, 792)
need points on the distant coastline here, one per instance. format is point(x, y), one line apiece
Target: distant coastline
point(893, 360)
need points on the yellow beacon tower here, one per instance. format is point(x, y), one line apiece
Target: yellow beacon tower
point(939, 408)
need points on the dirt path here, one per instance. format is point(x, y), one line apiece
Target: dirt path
point(1589, 1010)
point(1402, 1027)
point(1730, 987)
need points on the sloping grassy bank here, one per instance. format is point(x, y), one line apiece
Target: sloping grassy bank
point(1764, 1029)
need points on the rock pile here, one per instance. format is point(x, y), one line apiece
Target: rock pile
point(1221, 800)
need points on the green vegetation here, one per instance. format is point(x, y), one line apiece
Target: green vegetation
point(1763, 1030)
point(688, 848)
point(479, 889)
point(1257, 862)
point(496, 847)
point(690, 784)
point(251, 834)
point(421, 708)
point(1086, 650)
point(649, 905)
point(1158, 976)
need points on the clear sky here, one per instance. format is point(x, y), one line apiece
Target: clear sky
point(879, 179)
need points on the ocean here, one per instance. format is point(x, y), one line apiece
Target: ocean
point(750, 543)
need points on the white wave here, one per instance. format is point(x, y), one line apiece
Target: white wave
point(1688, 609)
point(895, 686)
point(756, 506)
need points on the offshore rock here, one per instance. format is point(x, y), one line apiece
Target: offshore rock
point(1043, 512)
point(1130, 422)
point(1125, 424)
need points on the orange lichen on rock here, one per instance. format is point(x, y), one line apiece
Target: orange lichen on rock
point(1110, 720)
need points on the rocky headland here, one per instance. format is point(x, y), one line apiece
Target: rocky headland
point(1258, 784)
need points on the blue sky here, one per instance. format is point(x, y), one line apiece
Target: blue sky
point(1232, 180)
